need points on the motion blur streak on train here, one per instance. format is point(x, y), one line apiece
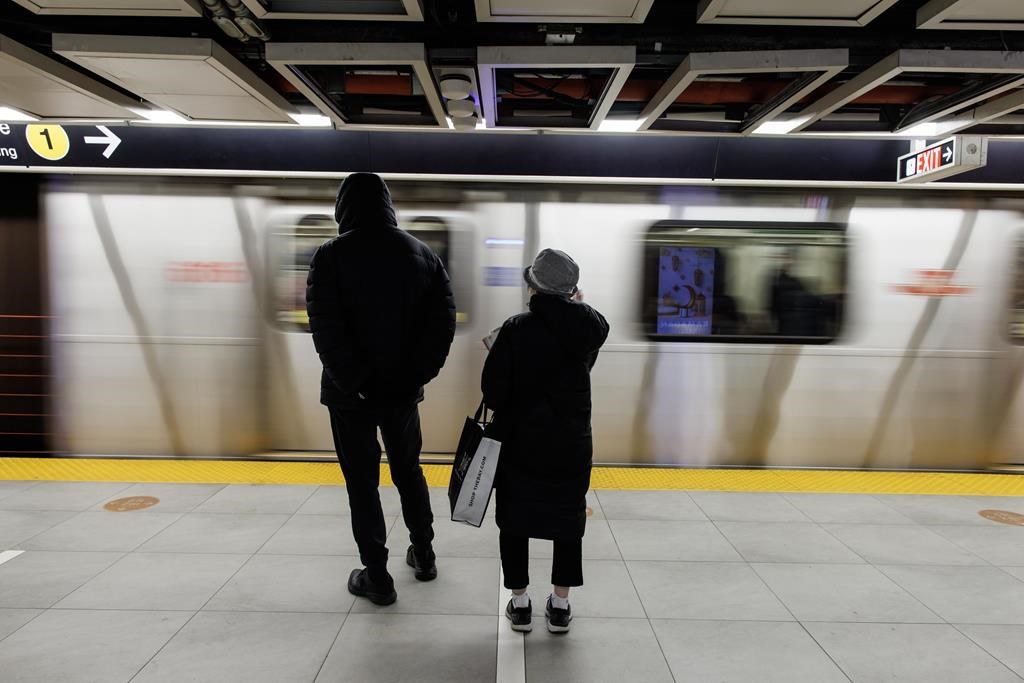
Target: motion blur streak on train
point(787, 327)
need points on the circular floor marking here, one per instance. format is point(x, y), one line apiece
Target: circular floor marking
point(132, 503)
point(1003, 517)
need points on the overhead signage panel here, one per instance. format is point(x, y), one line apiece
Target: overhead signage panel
point(942, 159)
point(295, 151)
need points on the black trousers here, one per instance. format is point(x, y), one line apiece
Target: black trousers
point(566, 566)
point(355, 439)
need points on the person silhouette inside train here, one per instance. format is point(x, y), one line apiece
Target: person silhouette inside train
point(382, 315)
point(794, 309)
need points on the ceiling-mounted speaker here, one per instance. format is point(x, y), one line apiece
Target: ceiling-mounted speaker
point(456, 86)
point(460, 109)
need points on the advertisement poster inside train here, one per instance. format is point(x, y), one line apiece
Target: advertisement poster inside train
point(686, 278)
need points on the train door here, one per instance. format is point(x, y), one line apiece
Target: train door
point(296, 420)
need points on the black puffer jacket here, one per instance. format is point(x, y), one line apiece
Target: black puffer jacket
point(380, 304)
point(537, 381)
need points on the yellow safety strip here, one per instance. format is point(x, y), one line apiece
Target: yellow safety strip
point(636, 478)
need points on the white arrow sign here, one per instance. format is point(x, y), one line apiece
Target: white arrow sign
point(108, 139)
point(947, 154)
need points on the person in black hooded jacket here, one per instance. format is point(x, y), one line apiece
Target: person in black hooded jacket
point(537, 381)
point(383, 318)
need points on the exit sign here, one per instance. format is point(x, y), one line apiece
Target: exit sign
point(942, 159)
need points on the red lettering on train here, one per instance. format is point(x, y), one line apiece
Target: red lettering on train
point(934, 283)
point(206, 271)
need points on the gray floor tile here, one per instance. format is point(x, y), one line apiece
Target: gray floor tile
point(597, 651)
point(215, 533)
point(664, 505)
point(836, 592)
point(1011, 503)
point(596, 508)
point(13, 619)
point(704, 590)
point(288, 583)
point(451, 539)
point(1002, 642)
point(607, 590)
point(747, 507)
point(326, 500)
point(398, 648)
point(172, 497)
point(689, 541)
point(258, 499)
point(10, 487)
point(936, 509)
point(39, 578)
point(1015, 571)
point(1001, 545)
point(786, 542)
point(159, 581)
point(114, 531)
point(964, 595)
point(843, 508)
point(61, 495)
point(464, 585)
point(741, 651)
point(105, 646)
point(908, 652)
point(246, 646)
point(20, 525)
point(894, 544)
point(598, 543)
point(316, 535)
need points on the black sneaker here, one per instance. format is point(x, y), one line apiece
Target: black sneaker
point(558, 619)
point(359, 584)
point(521, 617)
point(426, 567)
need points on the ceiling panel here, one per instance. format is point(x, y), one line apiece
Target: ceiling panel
point(504, 69)
point(608, 11)
point(363, 83)
point(995, 15)
point(195, 77)
point(792, 12)
point(353, 10)
point(45, 88)
point(151, 8)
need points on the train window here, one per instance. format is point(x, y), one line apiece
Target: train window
point(1017, 301)
point(744, 282)
point(293, 246)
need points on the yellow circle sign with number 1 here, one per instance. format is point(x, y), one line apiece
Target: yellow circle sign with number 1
point(48, 140)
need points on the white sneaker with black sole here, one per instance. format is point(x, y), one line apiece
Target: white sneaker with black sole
point(558, 619)
point(521, 617)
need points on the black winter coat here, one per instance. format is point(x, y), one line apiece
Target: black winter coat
point(380, 303)
point(537, 382)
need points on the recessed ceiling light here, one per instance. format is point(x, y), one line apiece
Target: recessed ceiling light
point(311, 120)
point(619, 126)
point(8, 114)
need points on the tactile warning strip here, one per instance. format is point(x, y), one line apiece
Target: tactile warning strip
point(638, 478)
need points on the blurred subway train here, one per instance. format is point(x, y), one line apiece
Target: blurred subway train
point(750, 326)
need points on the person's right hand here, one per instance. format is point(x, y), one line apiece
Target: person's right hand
point(578, 296)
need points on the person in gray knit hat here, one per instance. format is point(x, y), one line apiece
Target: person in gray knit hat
point(537, 382)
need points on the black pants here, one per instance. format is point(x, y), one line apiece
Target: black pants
point(566, 566)
point(355, 439)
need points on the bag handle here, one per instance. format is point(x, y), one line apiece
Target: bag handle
point(481, 412)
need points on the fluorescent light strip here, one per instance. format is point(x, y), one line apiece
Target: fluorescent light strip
point(13, 115)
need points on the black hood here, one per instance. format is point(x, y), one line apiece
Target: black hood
point(579, 328)
point(364, 202)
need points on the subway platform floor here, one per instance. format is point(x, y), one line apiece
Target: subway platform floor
point(242, 582)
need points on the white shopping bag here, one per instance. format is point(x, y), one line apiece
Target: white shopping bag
point(476, 483)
